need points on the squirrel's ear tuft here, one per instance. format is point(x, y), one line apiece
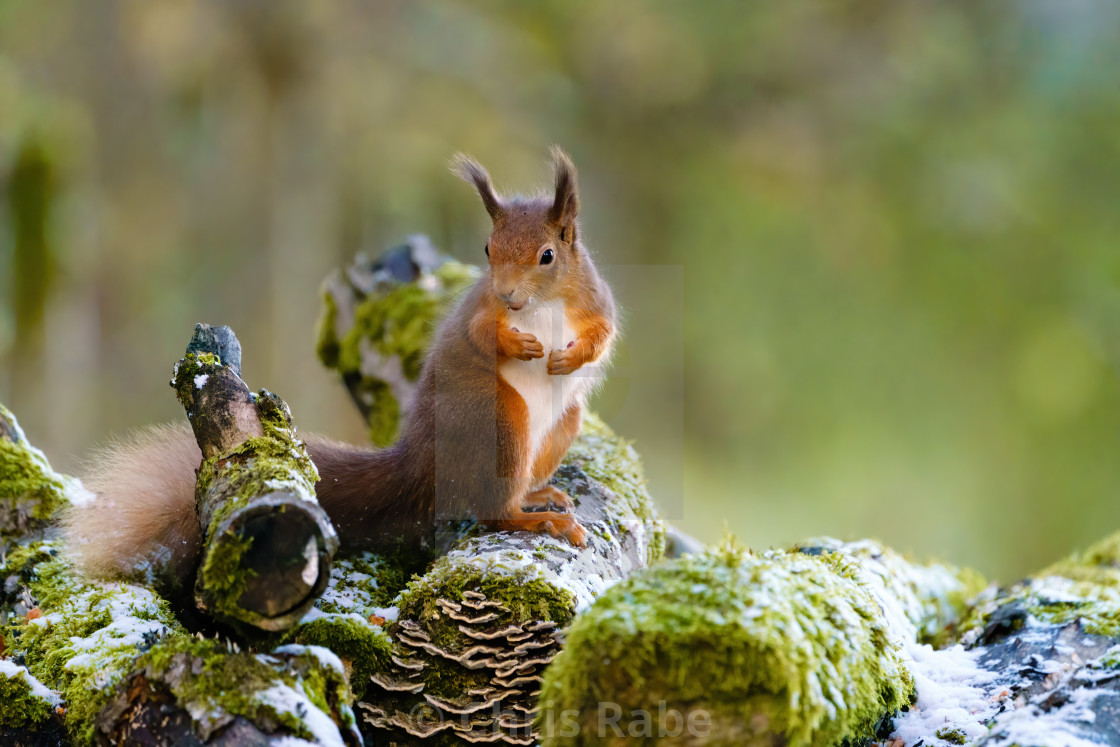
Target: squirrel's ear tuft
point(565, 205)
point(471, 171)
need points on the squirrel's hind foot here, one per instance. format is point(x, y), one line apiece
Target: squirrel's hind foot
point(548, 498)
point(559, 525)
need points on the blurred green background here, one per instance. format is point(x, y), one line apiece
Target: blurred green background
point(897, 223)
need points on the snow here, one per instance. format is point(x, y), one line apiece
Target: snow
point(77, 493)
point(200, 380)
point(12, 670)
point(285, 699)
point(953, 693)
point(315, 613)
point(1055, 728)
point(326, 657)
point(388, 613)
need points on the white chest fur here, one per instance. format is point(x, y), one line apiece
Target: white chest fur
point(548, 397)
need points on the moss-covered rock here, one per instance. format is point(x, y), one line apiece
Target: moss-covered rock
point(727, 647)
point(377, 322)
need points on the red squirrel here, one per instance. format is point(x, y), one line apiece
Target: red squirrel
point(498, 403)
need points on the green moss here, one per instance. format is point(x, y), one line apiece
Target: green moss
point(1098, 566)
point(22, 708)
point(613, 462)
point(211, 679)
point(922, 600)
point(326, 336)
point(366, 582)
point(188, 367)
point(223, 574)
point(1109, 660)
point(363, 647)
point(953, 736)
point(88, 636)
point(781, 643)
point(30, 491)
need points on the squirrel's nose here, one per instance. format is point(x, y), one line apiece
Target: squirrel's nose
point(507, 296)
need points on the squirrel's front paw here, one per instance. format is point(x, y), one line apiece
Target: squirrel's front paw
point(524, 346)
point(563, 362)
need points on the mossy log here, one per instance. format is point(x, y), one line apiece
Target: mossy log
point(377, 322)
point(1047, 655)
point(203, 691)
point(122, 669)
point(97, 662)
point(30, 491)
point(728, 648)
point(476, 632)
point(268, 545)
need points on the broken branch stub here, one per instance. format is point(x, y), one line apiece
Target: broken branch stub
point(268, 545)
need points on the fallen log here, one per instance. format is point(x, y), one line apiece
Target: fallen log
point(105, 662)
point(268, 545)
point(727, 647)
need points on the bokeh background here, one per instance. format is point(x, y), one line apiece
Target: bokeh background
point(897, 225)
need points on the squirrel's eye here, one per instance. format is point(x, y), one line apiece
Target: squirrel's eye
point(546, 258)
point(487, 250)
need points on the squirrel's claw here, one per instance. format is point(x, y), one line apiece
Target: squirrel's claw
point(529, 346)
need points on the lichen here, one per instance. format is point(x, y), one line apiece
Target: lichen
point(1084, 587)
point(780, 643)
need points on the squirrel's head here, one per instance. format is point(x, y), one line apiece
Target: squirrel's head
point(533, 245)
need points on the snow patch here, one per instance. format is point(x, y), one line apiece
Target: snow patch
point(12, 670)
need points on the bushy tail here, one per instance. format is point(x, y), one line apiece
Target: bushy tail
point(143, 523)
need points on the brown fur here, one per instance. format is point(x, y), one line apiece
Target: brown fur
point(464, 450)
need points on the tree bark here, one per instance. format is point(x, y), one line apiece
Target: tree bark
point(268, 545)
